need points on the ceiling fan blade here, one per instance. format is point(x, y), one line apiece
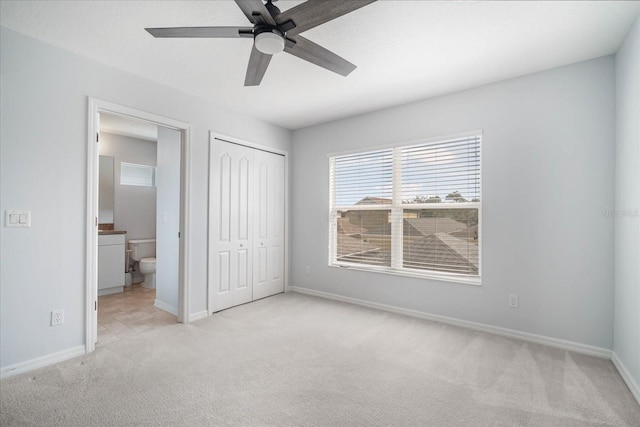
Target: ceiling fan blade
point(315, 12)
point(316, 54)
point(201, 32)
point(258, 63)
point(255, 11)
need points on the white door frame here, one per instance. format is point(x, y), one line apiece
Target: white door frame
point(95, 107)
point(212, 137)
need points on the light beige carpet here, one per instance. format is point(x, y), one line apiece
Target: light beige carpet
point(299, 360)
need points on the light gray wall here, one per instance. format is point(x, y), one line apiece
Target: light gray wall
point(43, 166)
point(135, 206)
point(168, 218)
point(627, 208)
point(548, 174)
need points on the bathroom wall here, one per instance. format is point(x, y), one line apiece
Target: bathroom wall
point(135, 207)
point(168, 219)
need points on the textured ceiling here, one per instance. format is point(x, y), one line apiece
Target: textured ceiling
point(404, 50)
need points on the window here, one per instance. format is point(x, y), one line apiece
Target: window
point(412, 210)
point(140, 175)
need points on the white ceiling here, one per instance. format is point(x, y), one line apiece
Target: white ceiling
point(119, 125)
point(404, 50)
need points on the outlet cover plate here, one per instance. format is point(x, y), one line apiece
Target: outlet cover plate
point(57, 317)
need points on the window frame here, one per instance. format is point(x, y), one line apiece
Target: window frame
point(396, 209)
point(152, 169)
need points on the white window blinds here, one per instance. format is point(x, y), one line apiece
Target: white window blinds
point(412, 209)
point(362, 178)
point(444, 171)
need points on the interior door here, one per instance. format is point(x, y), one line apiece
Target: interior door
point(168, 217)
point(94, 324)
point(230, 207)
point(268, 265)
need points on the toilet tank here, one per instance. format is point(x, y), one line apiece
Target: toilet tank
point(142, 248)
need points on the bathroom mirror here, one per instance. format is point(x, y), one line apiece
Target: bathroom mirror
point(105, 190)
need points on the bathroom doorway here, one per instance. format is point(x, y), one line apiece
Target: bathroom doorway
point(151, 152)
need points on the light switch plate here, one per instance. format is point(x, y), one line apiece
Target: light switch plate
point(17, 219)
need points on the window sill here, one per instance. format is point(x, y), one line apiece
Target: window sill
point(474, 281)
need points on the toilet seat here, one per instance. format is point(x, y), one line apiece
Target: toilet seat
point(149, 260)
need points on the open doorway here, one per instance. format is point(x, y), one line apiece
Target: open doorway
point(138, 221)
point(146, 155)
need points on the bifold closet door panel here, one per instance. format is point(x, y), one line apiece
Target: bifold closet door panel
point(268, 263)
point(230, 225)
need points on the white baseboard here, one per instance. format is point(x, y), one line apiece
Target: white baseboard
point(496, 330)
point(166, 307)
point(197, 316)
point(40, 362)
point(626, 376)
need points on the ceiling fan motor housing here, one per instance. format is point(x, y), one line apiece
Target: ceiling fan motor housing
point(272, 8)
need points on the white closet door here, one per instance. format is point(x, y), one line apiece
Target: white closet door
point(268, 262)
point(230, 209)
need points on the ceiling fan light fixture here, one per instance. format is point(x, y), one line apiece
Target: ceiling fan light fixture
point(269, 42)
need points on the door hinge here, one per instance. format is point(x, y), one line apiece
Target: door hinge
point(96, 221)
point(178, 234)
point(97, 137)
point(95, 305)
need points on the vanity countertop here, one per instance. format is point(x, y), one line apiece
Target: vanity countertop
point(106, 232)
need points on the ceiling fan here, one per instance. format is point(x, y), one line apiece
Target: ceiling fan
point(274, 31)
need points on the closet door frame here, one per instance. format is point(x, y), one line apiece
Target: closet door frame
point(213, 136)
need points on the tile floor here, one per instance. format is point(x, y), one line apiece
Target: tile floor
point(129, 313)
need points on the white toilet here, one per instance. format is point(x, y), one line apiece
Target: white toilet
point(144, 251)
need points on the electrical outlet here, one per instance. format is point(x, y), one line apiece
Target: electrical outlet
point(307, 270)
point(513, 301)
point(57, 317)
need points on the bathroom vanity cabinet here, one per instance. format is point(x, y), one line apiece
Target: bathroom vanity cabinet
point(111, 263)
